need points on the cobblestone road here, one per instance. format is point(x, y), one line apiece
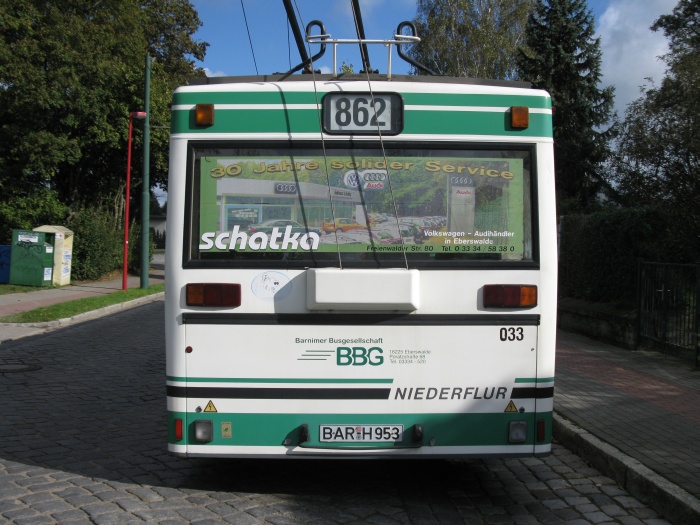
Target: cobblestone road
point(82, 440)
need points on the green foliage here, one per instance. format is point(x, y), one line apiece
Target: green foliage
point(562, 56)
point(135, 249)
point(26, 212)
point(599, 252)
point(158, 239)
point(97, 244)
point(658, 151)
point(470, 38)
point(70, 73)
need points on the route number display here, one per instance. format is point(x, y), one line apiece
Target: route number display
point(363, 113)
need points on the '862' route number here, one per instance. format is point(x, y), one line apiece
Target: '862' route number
point(512, 333)
point(362, 113)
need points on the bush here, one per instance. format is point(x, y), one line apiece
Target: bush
point(599, 253)
point(29, 212)
point(135, 248)
point(97, 244)
point(158, 239)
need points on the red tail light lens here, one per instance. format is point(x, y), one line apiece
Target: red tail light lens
point(213, 294)
point(510, 296)
point(541, 430)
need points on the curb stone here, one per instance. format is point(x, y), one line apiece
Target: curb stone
point(93, 314)
point(671, 501)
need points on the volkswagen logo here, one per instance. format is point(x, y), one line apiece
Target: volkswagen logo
point(350, 179)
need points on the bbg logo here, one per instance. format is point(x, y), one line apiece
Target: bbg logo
point(359, 356)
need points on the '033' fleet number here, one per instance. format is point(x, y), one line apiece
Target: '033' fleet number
point(512, 333)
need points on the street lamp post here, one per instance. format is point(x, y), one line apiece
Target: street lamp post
point(133, 115)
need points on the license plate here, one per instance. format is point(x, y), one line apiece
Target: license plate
point(361, 433)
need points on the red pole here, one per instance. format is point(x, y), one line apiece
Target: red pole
point(126, 207)
point(132, 115)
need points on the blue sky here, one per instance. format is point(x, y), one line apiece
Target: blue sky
point(630, 49)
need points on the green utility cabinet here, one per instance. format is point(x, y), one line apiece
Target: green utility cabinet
point(31, 258)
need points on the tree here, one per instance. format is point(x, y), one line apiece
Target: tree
point(70, 73)
point(562, 56)
point(470, 38)
point(658, 152)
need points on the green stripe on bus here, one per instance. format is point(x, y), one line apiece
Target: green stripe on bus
point(534, 379)
point(247, 97)
point(277, 380)
point(249, 121)
point(410, 99)
point(246, 121)
point(274, 429)
point(473, 123)
point(465, 99)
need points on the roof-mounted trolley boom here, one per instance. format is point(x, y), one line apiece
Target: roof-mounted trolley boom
point(324, 38)
point(398, 40)
point(357, 14)
point(298, 38)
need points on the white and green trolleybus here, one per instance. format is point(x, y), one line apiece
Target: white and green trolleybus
point(360, 266)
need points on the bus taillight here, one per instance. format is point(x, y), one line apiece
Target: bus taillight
point(541, 430)
point(213, 294)
point(510, 296)
point(178, 430)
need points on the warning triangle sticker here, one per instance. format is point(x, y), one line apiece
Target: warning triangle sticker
point(211, 408)
point(510, 408)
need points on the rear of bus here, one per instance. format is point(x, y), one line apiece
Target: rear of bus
point(360, 269)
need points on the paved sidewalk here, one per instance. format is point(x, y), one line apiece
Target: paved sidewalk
point(11, 304)
point(634, 415)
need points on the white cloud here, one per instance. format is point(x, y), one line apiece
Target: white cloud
point(630, 49)
point(211, 73)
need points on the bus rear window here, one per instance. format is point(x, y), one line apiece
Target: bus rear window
point(360, 207)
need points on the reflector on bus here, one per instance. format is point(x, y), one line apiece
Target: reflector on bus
point(204, 114)
point(213, 294)
point(510, 296)
point(520, 117)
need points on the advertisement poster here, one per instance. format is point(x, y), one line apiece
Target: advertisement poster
point(359, 203)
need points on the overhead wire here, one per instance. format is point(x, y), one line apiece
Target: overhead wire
point(381, 141)
point(323, 142)
point(245, 18)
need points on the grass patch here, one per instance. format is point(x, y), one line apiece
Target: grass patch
point(79, 306)
point(18, 288)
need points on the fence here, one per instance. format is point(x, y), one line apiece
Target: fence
point(669, 316)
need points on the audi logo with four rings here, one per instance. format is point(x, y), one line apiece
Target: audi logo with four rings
point(285, 188)
point(462, 181)
point(374, 176)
